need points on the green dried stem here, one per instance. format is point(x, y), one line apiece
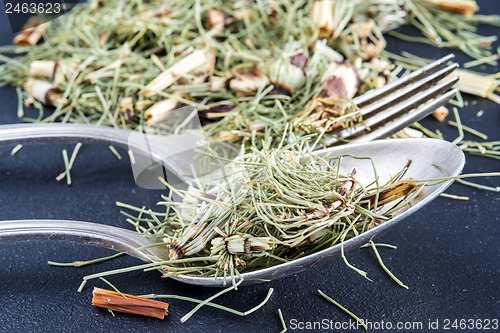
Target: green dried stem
point(328, 298)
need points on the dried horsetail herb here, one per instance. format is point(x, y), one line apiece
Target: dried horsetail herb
point(16, 149)
point(328, 298)
point(81, 263)
point(69, 163)
point(31, 32)
point(283, 324)
point(116, 301)
point(246, 48)
point(279, 204)
point(442, 26)
point(115, 152)
point(208, 303)
point(144, 308)
point(374, 248)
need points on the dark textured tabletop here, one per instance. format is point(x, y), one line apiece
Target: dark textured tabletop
point(448, 253)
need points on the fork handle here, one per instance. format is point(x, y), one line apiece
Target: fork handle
point(62, 132)
point(87, 233)
point(156, 148)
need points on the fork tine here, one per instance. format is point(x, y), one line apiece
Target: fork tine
point(411, 103)
point(408, 91)
point(377, 94)
point(408, 119)
point(393, 112)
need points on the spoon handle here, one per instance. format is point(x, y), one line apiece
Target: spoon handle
point(67, 133)
point(87, 233)
point(166, 150)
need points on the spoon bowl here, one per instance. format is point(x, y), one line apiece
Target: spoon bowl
point(389, 157)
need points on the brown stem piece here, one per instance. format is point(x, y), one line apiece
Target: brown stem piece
point(31, 32)
point(393, 193)
point(126, 303)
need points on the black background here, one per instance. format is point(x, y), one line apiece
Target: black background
point(448, 253)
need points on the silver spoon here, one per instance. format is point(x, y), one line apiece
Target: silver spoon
point(389, 156)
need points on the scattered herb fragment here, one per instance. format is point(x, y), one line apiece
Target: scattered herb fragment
point(126, 303)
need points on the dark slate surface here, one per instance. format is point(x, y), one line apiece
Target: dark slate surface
point(447, 254)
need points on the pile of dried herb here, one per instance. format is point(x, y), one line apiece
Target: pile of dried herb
point(276, 205)
point(248, 67)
